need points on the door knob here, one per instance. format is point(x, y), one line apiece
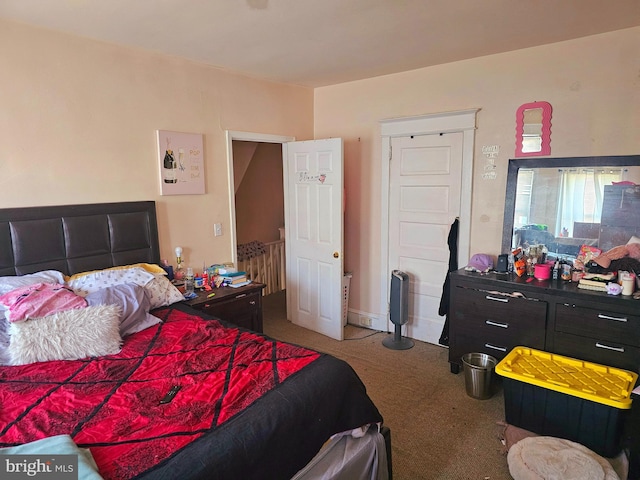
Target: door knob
point(336, 254)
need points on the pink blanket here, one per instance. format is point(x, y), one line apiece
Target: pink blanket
point(40, 300)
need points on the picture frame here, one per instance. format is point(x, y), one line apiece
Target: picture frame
point(181, 163)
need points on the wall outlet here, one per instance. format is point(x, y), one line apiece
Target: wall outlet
point(217, 229)
point(365, 321)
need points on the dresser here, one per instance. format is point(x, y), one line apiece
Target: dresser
point(492, 313)
point(241, 306)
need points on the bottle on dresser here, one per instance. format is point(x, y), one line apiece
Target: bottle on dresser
point(189, 282)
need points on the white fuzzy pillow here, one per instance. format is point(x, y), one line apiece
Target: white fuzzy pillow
point(69, 335)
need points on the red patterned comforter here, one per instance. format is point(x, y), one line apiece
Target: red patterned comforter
point(111, 405)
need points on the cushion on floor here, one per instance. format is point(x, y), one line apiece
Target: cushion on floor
point(539, 458)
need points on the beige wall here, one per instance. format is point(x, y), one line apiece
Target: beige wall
point(78, 123)
point(593, 85)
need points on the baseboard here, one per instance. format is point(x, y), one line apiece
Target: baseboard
point(366, 320)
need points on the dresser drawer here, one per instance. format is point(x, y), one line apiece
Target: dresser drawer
point(488, 322)
point(612, 354)
point(497, 344)
point(599, 324)
point(481, 309)
point(243, 310)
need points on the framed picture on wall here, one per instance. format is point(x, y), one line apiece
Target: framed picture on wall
point(181, 161)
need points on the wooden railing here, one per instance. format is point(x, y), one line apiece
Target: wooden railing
point(268, 268)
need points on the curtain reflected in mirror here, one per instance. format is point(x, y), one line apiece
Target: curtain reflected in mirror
point(580, 196)
point(533, 129)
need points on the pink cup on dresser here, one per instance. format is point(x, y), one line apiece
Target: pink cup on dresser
point(542, 271)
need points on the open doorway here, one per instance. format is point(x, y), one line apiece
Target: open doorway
point(313, 173)
point(259, 193)
point(256, 179)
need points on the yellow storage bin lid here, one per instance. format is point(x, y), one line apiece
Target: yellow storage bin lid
point(591, 381)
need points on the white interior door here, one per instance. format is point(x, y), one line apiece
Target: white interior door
point(314, 234)
point(424, 199)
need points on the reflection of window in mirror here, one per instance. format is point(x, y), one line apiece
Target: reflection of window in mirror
point(569, 202)
point(522, 212)
point(580, 195)
point(561, 207)
point(533, 129)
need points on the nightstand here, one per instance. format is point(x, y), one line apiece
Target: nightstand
point(241, 306)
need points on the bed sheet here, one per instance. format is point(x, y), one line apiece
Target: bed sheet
point(249, 406)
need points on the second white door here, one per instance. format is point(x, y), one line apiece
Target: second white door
point(424, 200)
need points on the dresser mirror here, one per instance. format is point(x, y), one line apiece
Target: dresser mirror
point(564, 203)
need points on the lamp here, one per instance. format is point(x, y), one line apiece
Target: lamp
point(179, 273)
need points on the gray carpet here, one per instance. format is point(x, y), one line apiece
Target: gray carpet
point(437, 430)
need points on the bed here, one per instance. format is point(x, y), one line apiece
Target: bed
point(248, 406)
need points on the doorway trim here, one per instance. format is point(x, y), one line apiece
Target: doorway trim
point(447, 122)
point(232, 135)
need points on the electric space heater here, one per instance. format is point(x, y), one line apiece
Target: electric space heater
point(398, 311)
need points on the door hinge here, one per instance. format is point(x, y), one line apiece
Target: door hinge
point(390, 153)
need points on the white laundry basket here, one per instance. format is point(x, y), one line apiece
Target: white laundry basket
point(346, 281)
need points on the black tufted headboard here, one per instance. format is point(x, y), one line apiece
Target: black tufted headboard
point(77, 238)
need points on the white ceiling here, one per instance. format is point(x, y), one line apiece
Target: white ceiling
point(324, 42)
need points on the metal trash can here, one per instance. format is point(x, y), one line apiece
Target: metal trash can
point(478, 371)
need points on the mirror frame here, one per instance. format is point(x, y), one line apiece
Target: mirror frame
point(545, 140)
point(517, 163)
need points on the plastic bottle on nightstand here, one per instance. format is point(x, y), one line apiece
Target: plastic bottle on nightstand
point(189, 282)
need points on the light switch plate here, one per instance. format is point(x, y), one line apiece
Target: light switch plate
point(217, 229)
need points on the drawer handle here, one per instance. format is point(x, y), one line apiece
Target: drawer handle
point(496, 324)
point(495, 347)
point(241, 295)
point(607, 317)
point(252, 302)
point(496, 299)
point(608, 347)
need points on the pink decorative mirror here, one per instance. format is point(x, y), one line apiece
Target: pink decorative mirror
point(533, 129)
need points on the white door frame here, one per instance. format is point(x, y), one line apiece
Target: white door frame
point(459, 121)
point(246, 137)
